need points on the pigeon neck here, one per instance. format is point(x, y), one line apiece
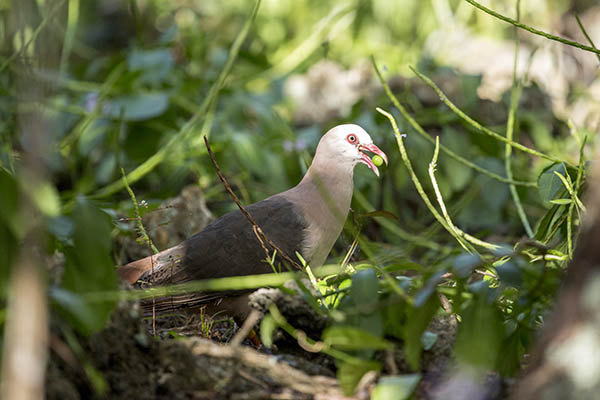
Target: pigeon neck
point(331, 184)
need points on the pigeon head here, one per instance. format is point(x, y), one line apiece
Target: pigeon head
point(347, 145)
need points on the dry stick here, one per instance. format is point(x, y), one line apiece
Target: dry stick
point(245, 329)
point(260, 234)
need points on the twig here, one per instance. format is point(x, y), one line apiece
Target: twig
point(245, 329)
point(257, 229)
point(438, 194)
point(476, 124)
point(533, 30)
point(427, 137)
point(451, 229)
point(586, 35)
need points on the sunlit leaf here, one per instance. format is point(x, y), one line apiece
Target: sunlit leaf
point(45, 196)
point(395, 387)
point(561, 202)
point(351, 338)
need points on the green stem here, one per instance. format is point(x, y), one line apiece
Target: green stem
point(138, 216)
point(533, 30)
point(438, 194)
point(586, 35)
point(476, 124)
point(443, 148)
point(515, 94)
point(421, 191)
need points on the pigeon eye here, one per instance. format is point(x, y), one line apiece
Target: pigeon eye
point(351, 138)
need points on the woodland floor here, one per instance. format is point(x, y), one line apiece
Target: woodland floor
point(180, 362)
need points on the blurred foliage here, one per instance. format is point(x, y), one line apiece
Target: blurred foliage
point(131, 76)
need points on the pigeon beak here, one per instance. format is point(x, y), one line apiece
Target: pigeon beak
point(365, 159)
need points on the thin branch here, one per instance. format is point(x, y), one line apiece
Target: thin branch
point(257, 229)
point(533, 30)
point(246, 328)
point(438, 194)
point(476, 124)
point(586, 34)
point(515, 94)
point(449, 227)
point(419, 129)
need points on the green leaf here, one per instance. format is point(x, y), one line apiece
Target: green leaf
point(362, 301)
point(480, 335)
point(561, 202)
point(395, 387)
point(510, 362)
point(464, 264)
point(510, 274)
point(394, 317)
point(352, 338)
point(428, 289)
point(137, 107)
point(546, 224)
point(88, 266)
point(457, 174)
point(349, 374)
point(75, 304)
point(417, 321)
point(549, 185)
point(154, 65)
point(9, 247)
point(365, 287)
point(9, 203)
point(267, 327)
point(428, 339)
point(45, 196)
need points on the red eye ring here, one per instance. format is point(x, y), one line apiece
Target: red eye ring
point(351, 138)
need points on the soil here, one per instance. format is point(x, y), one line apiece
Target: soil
point(132, 364)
